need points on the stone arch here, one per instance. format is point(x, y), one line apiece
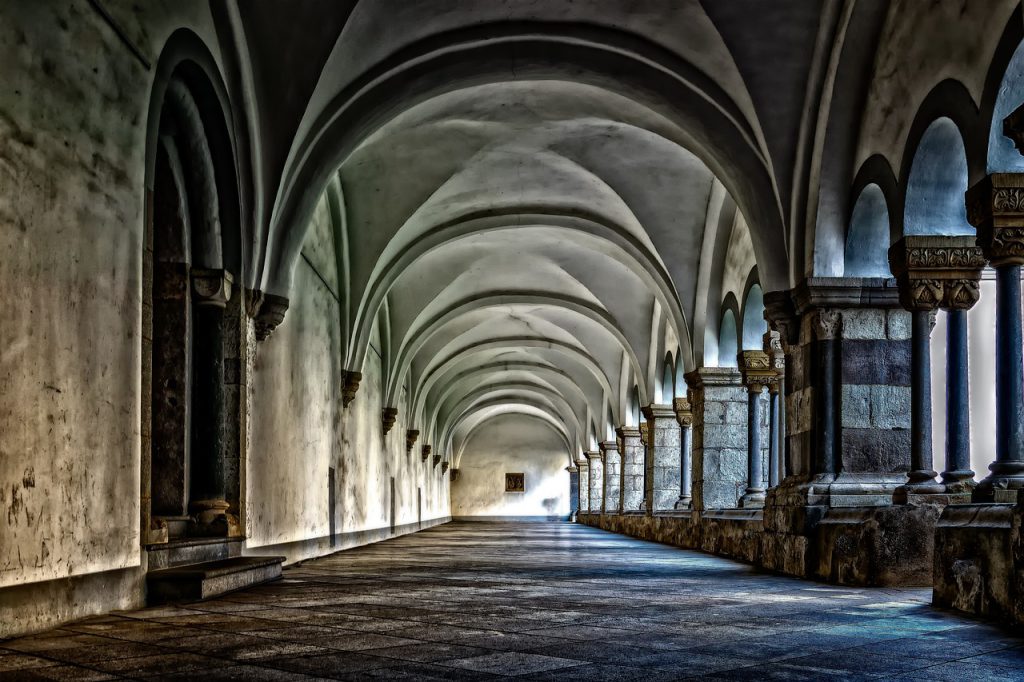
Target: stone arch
point(754, 325)
point(1004, 92)
point(867, 237)
point(194, 252)
point(936, 182)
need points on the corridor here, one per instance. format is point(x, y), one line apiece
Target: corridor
point(481, 600)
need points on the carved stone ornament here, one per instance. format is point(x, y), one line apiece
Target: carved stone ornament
point(437, 460)
point(645, 434)
point(425, 452)
point(995, 206)
point(444, 467)
point(684, 411)
point(780, 312)
point(350, 386)
point(270, 315)
point(937, 271)
point(758, 369)
point(388, 417)
point(253, 301)
point(453, 474)
point(828, 324)
point(410, 439)
point(211, 287)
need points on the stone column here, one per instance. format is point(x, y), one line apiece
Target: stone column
point(684, 415)
point(757, 370)
point(574, 489)
point(776, 465)
point(583, 484)
point(645, 442)
point(631, 489)
point(595, 478)
point(933, 272)
point(995, 206)
point(719, 451)
point(663, 459)
point(847, 394)
point(612, 477)
point(211, 290)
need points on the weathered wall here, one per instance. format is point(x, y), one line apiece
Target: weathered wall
point(301, 431)
point(512, 443)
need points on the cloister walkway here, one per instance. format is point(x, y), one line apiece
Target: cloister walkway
point(541, 601)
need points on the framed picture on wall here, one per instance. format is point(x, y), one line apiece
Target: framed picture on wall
point(515, 483)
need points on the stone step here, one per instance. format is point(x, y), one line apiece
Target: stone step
point(196, 582)
point(186, 551)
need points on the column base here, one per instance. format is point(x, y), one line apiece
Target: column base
point(905, 493)
point(753, 499)
point(684, 502)
point(211, 519)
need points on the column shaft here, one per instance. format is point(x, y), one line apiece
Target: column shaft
point(754, 495)
point(773, 437)
point(958, 415)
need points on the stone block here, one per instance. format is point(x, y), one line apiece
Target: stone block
point(667, 438)
point(856, 412)
point(732, 465)
point(864, 323)
point(736, 413)
point(714, 413)
point(898, 325)
point(876, 362)
point(732, 436)
point(890, 407)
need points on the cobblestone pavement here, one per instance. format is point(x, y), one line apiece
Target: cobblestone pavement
point(468, 601)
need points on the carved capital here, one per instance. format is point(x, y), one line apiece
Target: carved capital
point(410, 439)
point(995, 206)
point(654, 412)
point(425, 452)
point(758, 369)
point(594, 456)
point(253, 301)
point(684, 411)
point(608, 446)
point(350, 384)
point(388, 417)
point(211, 287)
point(444, 467)
point(828, 324)
point(270, 315)
point(937, 271)
point(581, 462)
point(453, 474)
point(437, 460)
point(645, 433)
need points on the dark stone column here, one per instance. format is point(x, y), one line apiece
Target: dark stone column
point(776, 466)
point(631, 489)
point(684, 415)
point(995, 206)
point(757, 371)
point(612, 477)
point(932, 272)
point(211, 290)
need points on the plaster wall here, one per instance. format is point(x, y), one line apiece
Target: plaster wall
point(512, 443)
point(73, 117)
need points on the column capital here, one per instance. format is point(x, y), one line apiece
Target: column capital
point(628, 432)
point(388, 417)
point(995, 206)
point(757, 368)
point(683, 410)
point(608, 446)
point(266, 310)
point(593, 455)
point(570, 469)
point(349, 386)
point(437, 460)
point(453, 474)
point(211, 286)
point(937, 271)
point(581, 461)
point(410, 439)
point(655, 411)
point(645, 433)
point(444, 467)
point(425, 452)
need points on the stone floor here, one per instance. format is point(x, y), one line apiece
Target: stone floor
point(540, 601)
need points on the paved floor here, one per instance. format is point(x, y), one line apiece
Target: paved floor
point(541, 601)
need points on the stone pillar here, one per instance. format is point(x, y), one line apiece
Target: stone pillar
point(574, 489)
point(612, 497)
point(933, 272)
point(645, 442)
point(583, 484)
point(995, 206)
point(595, 479)
point(719, 451)
point(684, 415)
point(776, 464)
point(211, 290)
point(758, 372)
point(631, 489)
point(663, 460)
point(847, 393)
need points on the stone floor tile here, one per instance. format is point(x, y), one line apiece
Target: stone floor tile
point(61, 673)
point(145, 666)
point(511, 663)
point(329, 665)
